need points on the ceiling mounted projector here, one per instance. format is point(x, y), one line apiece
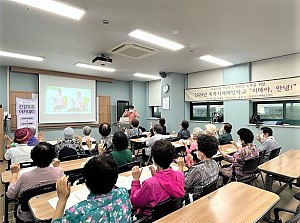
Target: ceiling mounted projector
point(102, 58)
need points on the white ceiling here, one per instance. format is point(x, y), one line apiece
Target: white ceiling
point(235, 30)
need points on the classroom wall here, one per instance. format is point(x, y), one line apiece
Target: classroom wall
point(134, 92)
point(3, 87)
point(176, 113)
point(24, 82)
point(204, 79)
point(117, 90)
point(287, 66)
point(137, 98)
point(238, 112)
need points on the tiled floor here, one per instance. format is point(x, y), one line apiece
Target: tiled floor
point(286, 198)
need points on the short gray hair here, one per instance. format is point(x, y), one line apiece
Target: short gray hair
point(33, 129)
point(86, 130)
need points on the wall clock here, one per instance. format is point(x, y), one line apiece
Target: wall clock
point(165, 88)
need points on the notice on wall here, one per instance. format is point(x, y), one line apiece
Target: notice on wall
point(26, 111)
point(259, 89)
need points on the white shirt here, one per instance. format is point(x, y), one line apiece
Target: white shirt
point(19, 154)
point(93, 141)
point(150, 141)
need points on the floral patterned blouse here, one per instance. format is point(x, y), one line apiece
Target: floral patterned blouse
point(243, 153)
point(114, 207)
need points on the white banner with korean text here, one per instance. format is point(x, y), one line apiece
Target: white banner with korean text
point(26, 111)
point(286, 87)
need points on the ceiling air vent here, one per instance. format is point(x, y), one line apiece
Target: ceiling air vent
point(133, 50)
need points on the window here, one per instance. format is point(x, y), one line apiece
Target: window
point(286, 111)
point(156, 111)
point(207, 111)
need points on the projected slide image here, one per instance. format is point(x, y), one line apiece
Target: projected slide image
point(64, 100)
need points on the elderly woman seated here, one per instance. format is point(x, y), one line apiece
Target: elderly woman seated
point(105, 203)
point(42, 156)
point(69, 146)
point(247, 151)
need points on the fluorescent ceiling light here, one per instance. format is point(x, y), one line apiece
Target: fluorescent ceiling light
point(216, 60)
point(155, 40)
point(55, 7)
point(20, 56)
point(146, 76)
point(88, 66)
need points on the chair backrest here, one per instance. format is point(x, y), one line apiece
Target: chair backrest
point(65, 152)
point(209, 188)
point(137, 136)
point(73, 157)
point(261, 157)
point(251, 165)
point(128, 166)
point(166, 207)
point(8, 164)
point(29, 193)
point(173, 139)
point(26, 164)
point(75, 176)
point(274, 153)
point(22, 165)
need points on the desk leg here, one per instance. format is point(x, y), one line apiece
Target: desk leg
point(5, 204)
point(268, 186)
point(269, 182)
point(132, 148)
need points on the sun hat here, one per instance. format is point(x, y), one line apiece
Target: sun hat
point(23, 135)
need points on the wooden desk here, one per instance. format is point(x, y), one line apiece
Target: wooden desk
point(179, 143)
point(285, 165)
point(139, 140)
point(228, 148)
point(40, 207)
point(42, 210)
point(67, 166)
point(235, 203)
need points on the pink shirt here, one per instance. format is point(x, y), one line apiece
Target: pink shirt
point(163, 185)
point(193, 147)
point(131, 115)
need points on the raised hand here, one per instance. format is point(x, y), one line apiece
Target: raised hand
point(15, 168)
point(180, 161)
point(40, 136)
point(136, 172)
point(100, 148)
point(55, 162)
point(153, 170)
point(63, 188)
point(78, 138)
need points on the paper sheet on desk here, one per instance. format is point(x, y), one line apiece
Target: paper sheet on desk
point(81, 194)
point(126, 181)
point(74, 198)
